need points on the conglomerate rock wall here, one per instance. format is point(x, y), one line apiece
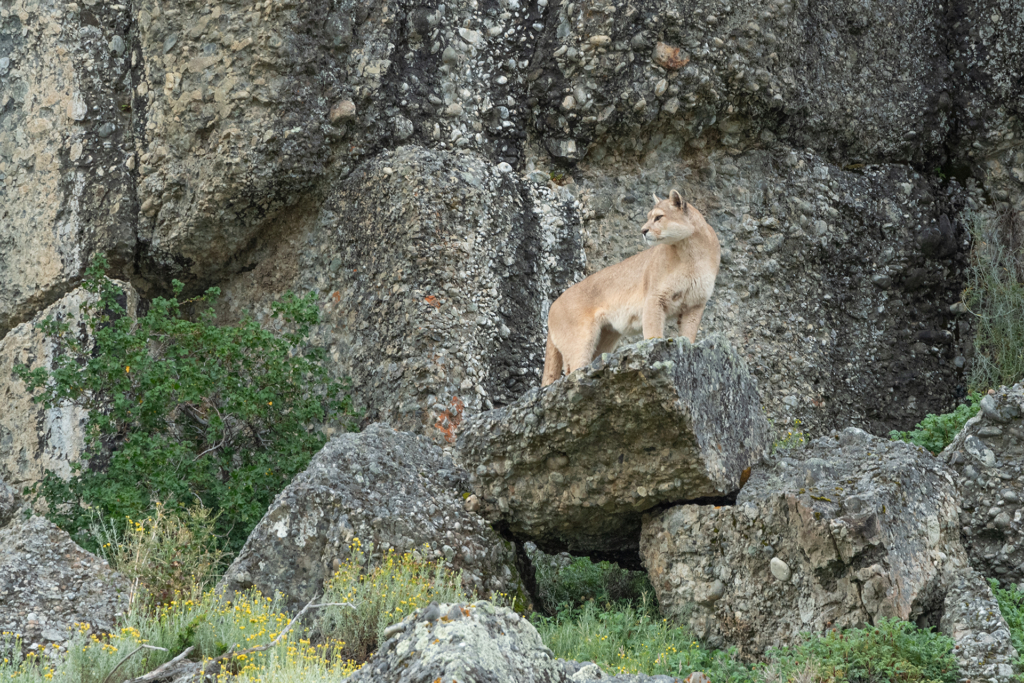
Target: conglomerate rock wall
point(439, 172)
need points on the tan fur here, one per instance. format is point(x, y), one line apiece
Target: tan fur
point(672, 280)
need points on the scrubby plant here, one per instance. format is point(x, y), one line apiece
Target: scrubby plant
point(995, 295)
point(244, 636)
point(790, 439)
point(382, 595)
point(171, 552)
point(935, 432)
point(891, 651)
point(182, 409)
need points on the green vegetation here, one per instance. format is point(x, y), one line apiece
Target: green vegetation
point(627, 638)
point(995, 294)
point(214, 628)
point(1011, 604)
point(935, 432)
point(889, 652)
point(388, 593)
point(171, 553)
point(581, 581)
point(182, 410)
point(793, 439)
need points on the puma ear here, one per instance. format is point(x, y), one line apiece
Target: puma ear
point(676, 199)
point(655, 195)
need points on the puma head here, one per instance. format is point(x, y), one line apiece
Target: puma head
point(671, 220)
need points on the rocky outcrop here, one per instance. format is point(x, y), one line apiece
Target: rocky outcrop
point(67, 187)
point(971, 617)
point(390, 490)
point(48, 584)
point(851, 529)
point(574, 465)
point(435, 270)
point(988, 457)
point(248, 146)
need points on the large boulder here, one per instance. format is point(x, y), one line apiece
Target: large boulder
point(574, 465)
point(988, 457)
point(471, 643)
point(850, 529)
point(971, 617)
point(48, 584)
point(391, 490)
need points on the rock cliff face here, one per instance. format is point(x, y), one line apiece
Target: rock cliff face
point(439, 172)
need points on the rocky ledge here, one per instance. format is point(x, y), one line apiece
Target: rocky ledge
point(573, 466)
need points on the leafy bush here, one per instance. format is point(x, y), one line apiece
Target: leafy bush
point(995, 294)
point(892, 651)
point(381, 597)
point(570, 584)
point(1011, 604)
point(181, 409)
point(935, 432)
point(172, 552)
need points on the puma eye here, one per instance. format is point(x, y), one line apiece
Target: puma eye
point(657, 218)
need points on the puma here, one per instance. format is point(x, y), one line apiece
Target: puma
point(673, 280)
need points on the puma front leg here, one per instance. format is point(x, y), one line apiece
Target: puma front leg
point(654, 318)
point(689, 322)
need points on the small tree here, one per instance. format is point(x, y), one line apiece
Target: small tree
point(181, 409)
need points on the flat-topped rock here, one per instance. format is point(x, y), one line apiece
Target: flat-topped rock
point(573, 466)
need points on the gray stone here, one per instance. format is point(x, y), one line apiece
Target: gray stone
point(971, 617)
point(476, 643)
point(993, 536)
point(386, 488)
point(41, 568)
point(573, 466)
point(867, 527)
point(9, 502)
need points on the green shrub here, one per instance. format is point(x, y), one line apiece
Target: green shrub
point(382, 596)
point(892, 651)
point(570, 585)
point(183, 410)
point(935, 432)
point(995, 294)
point(1011, 604)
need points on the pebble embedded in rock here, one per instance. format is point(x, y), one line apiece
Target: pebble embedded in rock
point(780, 570)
